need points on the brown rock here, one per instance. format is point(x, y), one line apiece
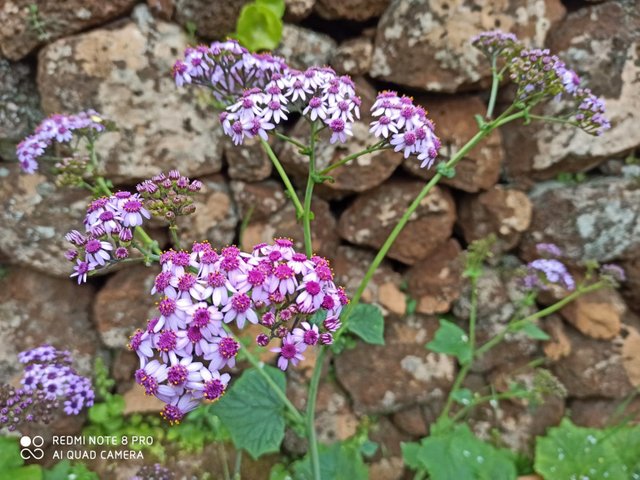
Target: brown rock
point(597, 314)
point(215, 218)
point(213, 19)
point(455, 125)
point(303, 48)
point(412, 421)
point(123, 72)
point(436, 281)
point(136, 401)
point(123, 368)
point(559, 346)
point(284, 224)
point(631, 356)
point(387, 462)
point(598, 368)
point(258, 201)
point(351, 9)
point(22, 29)
point(372, 216)
point(125, 304)
point(35, 216)
point(631, 287)
point(412, 375)
point(426, 43)
point(601, 413)
point(350, 265)
point(297, 10)
point(353, 57)
point(594, 220)
point(36, 309)
point(248, 161)
point(161, 8)
point(501, 211)
point(360, 174)
point(542, 151)
point(19, 105)
point(335, 419)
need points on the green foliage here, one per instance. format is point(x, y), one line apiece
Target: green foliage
point(457, 454)
point(259, 26)
point(201, 427)
point(339, 461)
point(366, 321)
point(253, 413)
point(477, 252)
point(67, 470)
point(451, 340)
point(531, 330)
point(571, 178)
point(463, 396)
point(569, 452)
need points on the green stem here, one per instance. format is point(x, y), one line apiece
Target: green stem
point(310, 416)
point(494, 87)
point(236, 470)
point(308, 194)
point(173, 230)
point(290, 140)
point(371, 149)
point(544, 118)
point(517, 325)
point(283, 175)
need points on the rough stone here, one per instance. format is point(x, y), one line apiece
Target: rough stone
point(35, 309)
point(161, 8)
point(594, 220)
point(124, 304)
point(136, 401)
point(258, 201)
point(419, 376)
point(426, 43)
point(599, 368)
point(353, 57)
point(504, 212)
point(602, 413)
point(284, 224)
point(215, 218)
point(303, 48)
point(412, 421)
point(297, 10)
point(368, 221)
point(597, 314)
point(19, 105)
point(248, 161)
point(359, 175)
point(22, 30)
point(35, 216)
point(358, 10)
point(435, 282)
point(602, 43)
point(559, 345)
point(211, 18)
point(124, 73)
point(631, 288)
point(498, 298)
point(350, 265)
point(455, 125)
point(387, 462)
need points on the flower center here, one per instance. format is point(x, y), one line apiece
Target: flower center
point(228, 348)
point(177, 374)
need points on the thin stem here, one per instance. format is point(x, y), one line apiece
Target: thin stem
point(175, 238)
point(310, 416)
point(495, 83)
point(236, 470)
point(308, 194)
point(259, 366)
point(283, 175)
point(371, 149)
point(553, 120)
point(517, 325)
point(222, 453)
point(291, 140)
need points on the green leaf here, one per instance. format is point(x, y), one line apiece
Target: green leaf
point(276, 6)
point(253, 413)
point(30, 472)
point(258, 27)
point(458, 454)
point(411, 454)
point(451, 340)
point(463, 396)
point(569, 452)
point(318, 317)
point(367, 322)
point(339, 461)
point(535, 332)
point(369, 448)
point(9, 453)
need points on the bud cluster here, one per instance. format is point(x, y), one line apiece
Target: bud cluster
point(169, 196)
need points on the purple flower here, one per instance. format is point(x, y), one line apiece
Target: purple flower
point(548, 271)
point(496, 42)
point(239, 309)
point(615, 272)
point(548, 249)
point(290, 351)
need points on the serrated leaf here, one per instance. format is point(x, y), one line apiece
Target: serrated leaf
point(339, 461)
point(367, 322)
point(458, 454)
point(253, 413)
point(531, 330)
point(276, 6)
point(258, 27)
point(568, 452)
point(451, 340)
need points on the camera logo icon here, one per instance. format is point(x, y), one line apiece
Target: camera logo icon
point(30, 447)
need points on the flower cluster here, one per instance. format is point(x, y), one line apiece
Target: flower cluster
point(259, 91)
point(543, 272)
point(405, 127)
point(169, 196)
point(48, 382)
point(496, 42)
point(184, 349)
point(109, 225)
point(59, 128)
